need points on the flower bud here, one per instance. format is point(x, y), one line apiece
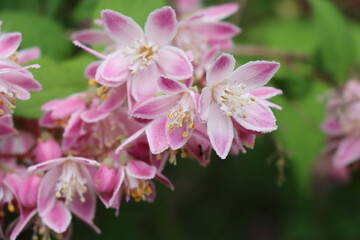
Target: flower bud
point(104, 179)
point(46, 150)
point(28, 191)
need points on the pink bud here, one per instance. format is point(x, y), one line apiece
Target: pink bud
point(104, 179)
point(28, 191)
point(47, 150)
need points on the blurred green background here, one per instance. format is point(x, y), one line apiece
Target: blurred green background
point(268, 193)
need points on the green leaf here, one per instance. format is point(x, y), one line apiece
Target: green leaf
point(84, 10)
point(299, 131)
point(58, 80)
point(136, 9)
point(335, 41)
point(38, 31)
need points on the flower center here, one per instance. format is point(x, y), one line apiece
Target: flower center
point(232, 98)
point(140, 191)
point(8, 101)
point(182, 115)
point(141, 54)
point(70, 182)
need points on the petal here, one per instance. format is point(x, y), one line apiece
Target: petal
point(9, 42)
point(68, 106)
point(219, 12)
point(92, 37)
point(90, 70)
point(140, 170)
point(25, 81)
point(85, 211)
point(220, 70)
point(119, 180)
point(113, 71)
point(55, 162)
point(265, 92)
point(51, 105)
point(204, 103)
point(254, 74)
point(144, 82)
point(258, 117)
point(216, 30)
point(155, 133)
point(121, 28)
point(175, 136)
point(169, 86)
point(58, 218)
point(164, 180)
point(29, 54)
point(25, 217)
point(174, 63)
point(46, 195)
point(161, 25)
point(220, 130)
point(116, 97)
point(93, 115)
point(347, 152)
point(155, 107)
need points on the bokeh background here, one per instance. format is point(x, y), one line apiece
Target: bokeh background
point(272, 192)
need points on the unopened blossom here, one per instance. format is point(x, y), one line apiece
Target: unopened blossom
point(66, 188)
point(143, 57)
point(342, 124)
point(47, 149)
point(236, 96)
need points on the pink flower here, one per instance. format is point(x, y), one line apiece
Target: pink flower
point(342, 124)
point(174, 115)
point(66, 186)
point(236, 96)
point(143, 57)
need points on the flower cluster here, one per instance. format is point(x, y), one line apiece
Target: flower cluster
point(154, 95)
point(342, 127)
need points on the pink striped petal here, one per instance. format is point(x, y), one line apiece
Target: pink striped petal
point(25, 81)
point(58, 218)
point(220, 130)
point(144, 82)
point(90, 70)
point(169, 86)
point(220, 70)
point(216, 30)
point(29, 54)
point(121, 28)
point(9, 42)
point(117, 190)
point(265, 92)
point(258, 117)
point(347, 152)
point(68, 106)
point(156, 137)
point(113, 71)
point(155, 107)
point(204, 103)
point(254, 74)
point(51, 105)
point(140, 170)
point(161, 25)
point(92, 37)
point(174, 63)
point(175, 136)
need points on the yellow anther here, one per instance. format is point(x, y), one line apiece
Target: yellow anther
point(11, 208)
point(104, 96)
point(252, 99)
point(243, 86)
point(92, 81)
point(191, 126)
point(244, 115)
point(170, 116)
point(171, 126)
point(229, 114)
point(185, 134)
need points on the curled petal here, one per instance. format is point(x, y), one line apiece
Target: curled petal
point(169, 86)
point(155, 133)
point(9, 43)
point(161, 25)
point(174, 63)
point(92, 37)
point(113, 71)
point(140, 170)
point(90, 71)
point(265, 92)
point(28, 54)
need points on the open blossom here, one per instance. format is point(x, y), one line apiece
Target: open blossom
point(343, 124)
point(236, 96)
point(66, 187)
point(143, 57)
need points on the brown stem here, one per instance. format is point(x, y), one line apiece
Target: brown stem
point(263, 52)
